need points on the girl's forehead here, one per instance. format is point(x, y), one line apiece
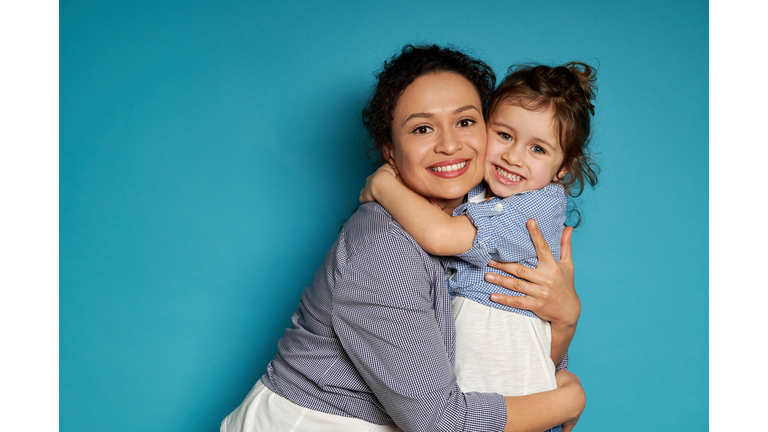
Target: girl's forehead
point(511, 109)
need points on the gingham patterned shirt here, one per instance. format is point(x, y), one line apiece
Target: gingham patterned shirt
point(503, 236)
point(374, 337)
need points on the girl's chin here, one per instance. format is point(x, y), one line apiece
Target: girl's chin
point(502, 190)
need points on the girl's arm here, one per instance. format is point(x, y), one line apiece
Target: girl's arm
point(436, 232)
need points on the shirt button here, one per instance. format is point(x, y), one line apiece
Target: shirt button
point(499, 208)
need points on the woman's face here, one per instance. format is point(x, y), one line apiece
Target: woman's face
point(439, 137)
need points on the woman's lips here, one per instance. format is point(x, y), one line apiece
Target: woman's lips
point(507, 177)
point(450, 168)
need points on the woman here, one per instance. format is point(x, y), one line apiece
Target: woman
point(372, 343)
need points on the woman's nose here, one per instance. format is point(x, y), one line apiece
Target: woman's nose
point(448, 143)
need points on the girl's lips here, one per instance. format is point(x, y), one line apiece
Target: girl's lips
point(450, 168)
point(504, 180)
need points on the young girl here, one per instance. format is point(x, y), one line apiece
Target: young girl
point(538, 131)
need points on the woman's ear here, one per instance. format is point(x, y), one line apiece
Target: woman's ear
point(388, 157)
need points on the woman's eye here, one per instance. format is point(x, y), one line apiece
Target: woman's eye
point(505, 136)
point(538, 149)
point(421, 130)
point(466, 122)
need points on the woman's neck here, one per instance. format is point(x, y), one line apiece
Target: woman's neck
point(446, 205)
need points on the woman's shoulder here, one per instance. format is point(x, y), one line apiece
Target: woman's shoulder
point(371, 245)
point(372, 224)
point(372, 227)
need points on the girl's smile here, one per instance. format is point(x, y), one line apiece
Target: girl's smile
point(523, 151)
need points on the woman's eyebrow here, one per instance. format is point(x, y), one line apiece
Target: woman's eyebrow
point(430, 115)
point(468, 107)
point(417, 115)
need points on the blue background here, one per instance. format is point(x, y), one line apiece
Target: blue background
point(210, 152)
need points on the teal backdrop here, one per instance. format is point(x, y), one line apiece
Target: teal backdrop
point(210, 151)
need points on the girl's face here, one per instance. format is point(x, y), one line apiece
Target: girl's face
point(438, 138)
point(523, 151)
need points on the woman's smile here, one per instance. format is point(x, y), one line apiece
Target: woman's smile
point(451, 168)
point(439, 137)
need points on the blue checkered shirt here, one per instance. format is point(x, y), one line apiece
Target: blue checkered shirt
point(503, 236)
point(374, 337)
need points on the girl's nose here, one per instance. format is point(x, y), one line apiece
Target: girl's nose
point(514, 156)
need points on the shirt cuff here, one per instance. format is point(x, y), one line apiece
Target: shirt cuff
point(485, 412)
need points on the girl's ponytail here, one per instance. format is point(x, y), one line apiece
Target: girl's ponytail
point(585, 76)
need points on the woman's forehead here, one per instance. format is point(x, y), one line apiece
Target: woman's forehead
point(436, 94)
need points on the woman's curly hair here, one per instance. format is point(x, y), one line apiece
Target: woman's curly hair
point(402, 69)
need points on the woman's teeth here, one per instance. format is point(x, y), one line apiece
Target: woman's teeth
point(446, 168)
point(507, 175)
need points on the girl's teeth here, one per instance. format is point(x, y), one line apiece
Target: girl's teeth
point(508, 175)
point(453, 167)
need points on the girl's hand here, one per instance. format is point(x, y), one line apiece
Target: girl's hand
point(563, 379)
point(549, 288)
point(367, 194)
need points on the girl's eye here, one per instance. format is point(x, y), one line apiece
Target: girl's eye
point(466, 122)
point(505, 136)
point(422, 130)
point(538, 149)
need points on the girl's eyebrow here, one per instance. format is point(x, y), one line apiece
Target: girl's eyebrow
point(542, 141)
point(430, 115)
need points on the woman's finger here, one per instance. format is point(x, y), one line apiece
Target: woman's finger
point(517, 270)
point(520, 302)
point(514, 284)
point(542, 248)
point(566, 259)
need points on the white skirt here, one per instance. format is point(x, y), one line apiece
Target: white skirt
point(501, 352)
point(265, 410)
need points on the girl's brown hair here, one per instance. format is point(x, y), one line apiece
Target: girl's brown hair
point(569, 91)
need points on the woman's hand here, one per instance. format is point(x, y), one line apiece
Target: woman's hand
point(367, 195)
point(563, 379)
point(539, 411)
point(549, 289)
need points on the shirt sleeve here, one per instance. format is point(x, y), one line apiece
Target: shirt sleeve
point(384, 315)
point(563, 363)
point(501, 227)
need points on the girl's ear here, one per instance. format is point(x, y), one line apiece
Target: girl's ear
point(387, 148)
point(560, 174)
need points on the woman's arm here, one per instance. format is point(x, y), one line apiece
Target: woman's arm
point(388, 318)
point(542, 411)
point(436, 232)
point(549, 289)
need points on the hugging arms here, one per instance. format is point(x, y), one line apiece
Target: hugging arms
point(372, 345)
